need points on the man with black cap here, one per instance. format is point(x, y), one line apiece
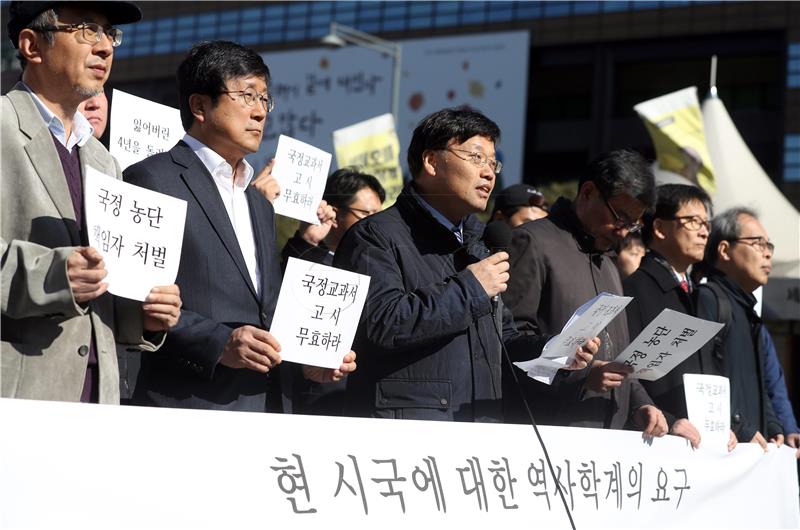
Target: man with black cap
point(58, 323)
point(519, 204)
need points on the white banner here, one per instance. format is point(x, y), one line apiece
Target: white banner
point(141, 128)
point(96, 466)
point(138, 231)
point(319, 90)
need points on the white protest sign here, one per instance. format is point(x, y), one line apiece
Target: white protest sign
point(666, 342)
point(141, 128)
point(313, 472)
point(585, 324)
point(317, 313)
point(708, 404)
point(301, 170)
point(139, 232)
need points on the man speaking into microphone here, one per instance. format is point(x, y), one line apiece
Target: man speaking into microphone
point(431, 345)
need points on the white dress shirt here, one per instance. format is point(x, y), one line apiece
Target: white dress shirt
point(231, 190)
point(82, 130)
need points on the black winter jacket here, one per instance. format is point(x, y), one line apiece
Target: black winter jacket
point(427, 344)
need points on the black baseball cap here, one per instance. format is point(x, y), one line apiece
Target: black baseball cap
point(519, 195)
point(20, 14)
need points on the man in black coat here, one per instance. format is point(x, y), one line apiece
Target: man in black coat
point(560, 262)
point(738, 260)
point(675, 234)
point(429, 340)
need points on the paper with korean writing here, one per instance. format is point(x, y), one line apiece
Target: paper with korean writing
point(301, 170)
point(141, 128)
point(666, 342)
point(708, 405)
point(318, 312)
point(138, 231)
point(585, 324)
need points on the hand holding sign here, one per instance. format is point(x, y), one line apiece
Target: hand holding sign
point(86, 271)
point(162, 308)
point(252, 348)
point(301, 170)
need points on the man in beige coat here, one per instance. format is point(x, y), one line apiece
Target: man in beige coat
point(58, 322)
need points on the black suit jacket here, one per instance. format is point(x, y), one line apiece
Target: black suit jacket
point(655, 288)
point(217, 292)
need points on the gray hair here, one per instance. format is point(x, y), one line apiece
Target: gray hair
point(726, 226)
point(48, 17)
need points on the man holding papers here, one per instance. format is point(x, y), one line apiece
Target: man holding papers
point(675, 234)
point(221, 355)
point(429, 331)
point(59, 324)
point(560, 262)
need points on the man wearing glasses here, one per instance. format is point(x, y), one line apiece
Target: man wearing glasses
point(59, 324)
point(738, 260)
point(675, 234)
point(560, 262)
point(221, 355)
point(429, 331)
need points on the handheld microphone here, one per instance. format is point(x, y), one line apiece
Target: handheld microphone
point(497, 238)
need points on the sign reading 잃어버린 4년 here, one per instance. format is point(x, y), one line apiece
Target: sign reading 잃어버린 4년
point(318, 312)
point(138, 231)
point(141, 128)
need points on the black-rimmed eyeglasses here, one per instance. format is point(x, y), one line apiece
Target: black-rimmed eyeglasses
point(621, 223)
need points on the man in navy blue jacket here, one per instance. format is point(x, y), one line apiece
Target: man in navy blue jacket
point(429, 344)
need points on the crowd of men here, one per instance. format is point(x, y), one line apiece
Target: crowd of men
point(445, 314)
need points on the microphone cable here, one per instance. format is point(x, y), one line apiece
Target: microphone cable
point(530, 417)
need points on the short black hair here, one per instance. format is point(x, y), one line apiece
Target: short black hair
point(209, 66)
point(344, 183)
point(619, 172)
point(669, 199)
point(631, 239)
point(437, 129)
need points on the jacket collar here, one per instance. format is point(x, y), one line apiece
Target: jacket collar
point(408, 202)
point(563, 215)
point(745, 299)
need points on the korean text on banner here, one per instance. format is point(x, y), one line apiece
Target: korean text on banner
point(308, 471)
point(301, 170)
point(141, 128)
point(708, 405)
point(372, 147)
point(585, 324)
point(318, 312)
point(675, 124)
point(668, 340)
point(139, 232)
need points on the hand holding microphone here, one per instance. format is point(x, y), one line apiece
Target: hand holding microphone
point(492, 272)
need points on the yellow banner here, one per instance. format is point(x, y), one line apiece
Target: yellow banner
point(372, 146)
point(675, 124)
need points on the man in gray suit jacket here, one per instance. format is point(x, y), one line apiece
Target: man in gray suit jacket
point(220, 355)
point(58, 322)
